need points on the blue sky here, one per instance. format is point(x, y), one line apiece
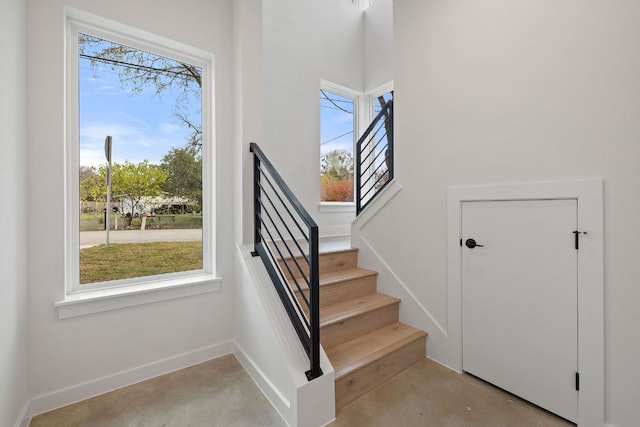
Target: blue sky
point(336, 125)
point(143, 125)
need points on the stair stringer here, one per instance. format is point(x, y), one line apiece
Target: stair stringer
point(412, 311)
point(270, 351)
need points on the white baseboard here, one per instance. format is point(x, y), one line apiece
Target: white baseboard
point(270, 391)
point(78, 392)
point(24, 417)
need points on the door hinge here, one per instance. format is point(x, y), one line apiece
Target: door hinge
point(577, 234)
point(577, 381)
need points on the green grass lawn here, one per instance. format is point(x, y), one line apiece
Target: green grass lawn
point(95, 222)
point(123, 261)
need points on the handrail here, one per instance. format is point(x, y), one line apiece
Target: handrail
point(373, 173)
point(286, 239)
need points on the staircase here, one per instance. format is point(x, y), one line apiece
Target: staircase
point(359, 327)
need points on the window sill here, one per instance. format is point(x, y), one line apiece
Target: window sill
point(337, 207)
point(90, 302)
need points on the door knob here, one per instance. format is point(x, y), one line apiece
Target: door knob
point(471, 243)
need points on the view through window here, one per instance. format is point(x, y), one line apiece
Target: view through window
point(379, 152)
point(151, 107)
point(379, 101)
point(337, 133)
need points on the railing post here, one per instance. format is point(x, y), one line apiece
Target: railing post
point(390, 141)
point(358, 172)
point(314, 302)
point(256, 202)
point(386, 114)
point(269, 187)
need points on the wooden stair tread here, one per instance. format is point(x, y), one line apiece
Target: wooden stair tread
point(346, 274)
point(340, 259)
point(338, 251)
point(335, 313)
point(338, 276)
point(322, 253)
point(368, 348)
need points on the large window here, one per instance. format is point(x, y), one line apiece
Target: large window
point(139, 147)
point(338, 130)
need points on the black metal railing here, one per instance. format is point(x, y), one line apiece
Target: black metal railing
point(374, 157)
point(286, 239)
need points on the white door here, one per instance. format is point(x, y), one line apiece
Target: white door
point(519, 299)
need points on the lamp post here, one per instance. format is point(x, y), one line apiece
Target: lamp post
point(107, 153)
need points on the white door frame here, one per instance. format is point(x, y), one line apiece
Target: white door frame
point(589, 194)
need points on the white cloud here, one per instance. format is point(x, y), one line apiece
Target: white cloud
point(92, 157)
point(133, 140)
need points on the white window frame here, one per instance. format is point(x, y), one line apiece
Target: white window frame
point(90, 298)
point(368, 111)
point(358, 118)
point(372, 96)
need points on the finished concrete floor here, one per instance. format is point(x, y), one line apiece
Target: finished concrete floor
point(220, 393)
point(429, 395)
point(215, 393)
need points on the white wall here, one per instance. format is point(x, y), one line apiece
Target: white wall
point(378, 44)
point(13, 227)
point(261, 323)
point(109, 348)
point(254, 332)
point(304, 42)
point(503, 92)
point(248, 106)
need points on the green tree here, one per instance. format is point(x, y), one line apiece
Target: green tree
point(337, 164)
point(336, 176)
point(131, 182)
point(93, 187)
point(183, 167)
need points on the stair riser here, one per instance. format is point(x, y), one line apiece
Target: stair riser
point(334, 334)
point(361, 381)
point(332, 261)
point(337, 292)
